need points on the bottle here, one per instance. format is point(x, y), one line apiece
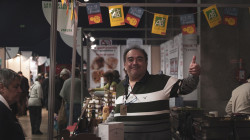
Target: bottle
point(105, 112)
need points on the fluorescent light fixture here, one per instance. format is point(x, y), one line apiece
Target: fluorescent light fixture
point(93, 46)
point(92, 39)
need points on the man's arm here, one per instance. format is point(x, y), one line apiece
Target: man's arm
point(190, 83)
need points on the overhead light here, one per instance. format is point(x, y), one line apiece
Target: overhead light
point(92, 39)
point(86, 0)
point(93, 46)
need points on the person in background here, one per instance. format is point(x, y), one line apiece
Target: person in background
point(31, 79)
point(45, 87)
point(64, 75)
point(22, 103)
point(10, 90)
point(142, 99)
point(65, 94)
point(116, 76)
point(239, 102)
point(35, 105)
point(109, 80)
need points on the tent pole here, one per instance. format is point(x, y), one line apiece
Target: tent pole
point(53, 43)
point(73, 66)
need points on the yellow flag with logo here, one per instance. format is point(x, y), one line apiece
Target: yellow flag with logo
point(72, 11)
point(160, 24)
point(212, 15)
point(116, 15)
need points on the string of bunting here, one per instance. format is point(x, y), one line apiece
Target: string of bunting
point(160, 21)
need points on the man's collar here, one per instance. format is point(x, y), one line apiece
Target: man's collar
point(4, 102)
point(143, 79)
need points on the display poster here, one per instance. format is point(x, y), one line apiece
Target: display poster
point(178, 44)
point(163, 59)
point(160, 24)
point(134, 41)
point(64, 23)
point(173, 60)
point(116, 15)
point(212, 15)
point(168, 44)
point(102, 59)
point(147, 49)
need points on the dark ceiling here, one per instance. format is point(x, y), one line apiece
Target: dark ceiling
point(24, 25)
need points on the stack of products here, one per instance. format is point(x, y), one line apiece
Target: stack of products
point(221, 128)
point(181, 119)
point(94, 108)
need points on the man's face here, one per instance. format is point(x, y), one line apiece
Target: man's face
point(135, 64)
point(11, 93)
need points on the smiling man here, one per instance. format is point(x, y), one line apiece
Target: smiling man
point(142, 101)
point(10, 91)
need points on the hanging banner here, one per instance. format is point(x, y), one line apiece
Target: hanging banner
point(160, 24)
point(212, 15)
point(134, 15)
point(11, 52)
point(94, 13)
point(230, 16)
point(116, 15)
point(102, 59)
point(187, 24)
point(64, 23)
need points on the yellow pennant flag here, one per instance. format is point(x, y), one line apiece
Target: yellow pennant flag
point(160, 24)
point(62, 2)
point(212, 15)
point(72, 10)
point(116, 15)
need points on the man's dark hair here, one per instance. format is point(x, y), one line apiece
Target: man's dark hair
point(7, 76)
point(135, 48)
point(20, 72)
point(109, 76)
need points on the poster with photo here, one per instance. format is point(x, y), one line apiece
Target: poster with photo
point(178, 44)
point(102, 59)
point(173, 58)
point(168, 44)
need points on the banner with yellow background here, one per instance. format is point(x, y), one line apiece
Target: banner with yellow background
point(212, 15)
point(116, 15)
point(160, 24)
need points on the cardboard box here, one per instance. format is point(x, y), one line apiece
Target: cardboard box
point(111, 131)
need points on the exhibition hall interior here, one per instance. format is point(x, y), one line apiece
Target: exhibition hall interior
point(93, 38)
